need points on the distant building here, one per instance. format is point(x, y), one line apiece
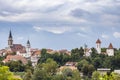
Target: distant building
point(98, 46)
point(87, 51)
point(14, 47)
point(70, 65)
point(103, 71)
point(35, 57)
point(22, 52)
point(15, 58)
point(110, 50)
point(117, 71)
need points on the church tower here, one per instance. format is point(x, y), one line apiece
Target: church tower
point(28, 44)
point(110, 50)
point(28, 47)
point(98, 46)
point(10, 40)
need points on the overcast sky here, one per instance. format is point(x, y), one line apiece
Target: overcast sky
point(60, 24)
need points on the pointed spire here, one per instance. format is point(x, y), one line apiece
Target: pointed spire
point(98, 41)
point(10, 34)
point(28, 42)
point(110, 46)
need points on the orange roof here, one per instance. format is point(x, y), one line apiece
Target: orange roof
point(98, 41)
point(110, 46)
point(16, 58)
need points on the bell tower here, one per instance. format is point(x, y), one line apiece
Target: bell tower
point(98, 46)
point(28, 47)
point(10, 40)
point(28, 44)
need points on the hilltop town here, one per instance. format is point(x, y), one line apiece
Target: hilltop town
point(25, 53)
point(86, 60)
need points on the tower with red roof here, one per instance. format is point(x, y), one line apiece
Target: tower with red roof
point(98, 46)
point(110, 50)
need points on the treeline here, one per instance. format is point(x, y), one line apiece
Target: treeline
point(49, 64)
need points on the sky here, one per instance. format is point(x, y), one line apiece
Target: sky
point(60, 24)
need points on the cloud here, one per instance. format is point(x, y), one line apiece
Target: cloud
point(81, 34)
point(104, 36)
point(55, 30)
point(116, 34)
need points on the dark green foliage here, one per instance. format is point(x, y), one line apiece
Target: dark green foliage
point(61, 58)
point(76, 54)
point(16, 66)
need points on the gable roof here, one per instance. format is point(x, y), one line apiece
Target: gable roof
point(110, 46)
point(98, 41)
point(15, 58)
point(17, 47)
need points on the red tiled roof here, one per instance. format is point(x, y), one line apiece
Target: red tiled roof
point(110, 46)
point(98, 41)
point(16, 58)
point(38, 52)
point(17, 47)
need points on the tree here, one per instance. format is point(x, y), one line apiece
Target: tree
point(28, 75)
point(45, 71)
point(111, 76)
point(76, 75)
point(81, 64)
point(96, 75)
point(15, 66)
point(76, 54)
point(5, 74)
point(58, 77)
point(114, 62)
point(71, 74)
point(81, 52)
point(94, 53)
point(87, 69)
point(50, 66)
point(97, 62)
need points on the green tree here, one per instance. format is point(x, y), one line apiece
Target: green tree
point(96, 75)
point(77, 53)
point(71, 74)
point(5, 74)
point(114, 62)
point(45, 71)
point(58, 77)
point(16, 66)
point(28, 75)
point(81, 64)
point(94, 53)
point(87, 69)
point(97, 62)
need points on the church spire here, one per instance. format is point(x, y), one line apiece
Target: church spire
point(28, 44)
point(10, 40)
point(10, 34)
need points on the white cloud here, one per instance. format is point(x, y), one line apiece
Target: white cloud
point(29, 9)
point(82, 35)
point(116, 34)
point(104, 36)
point(55, 30)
